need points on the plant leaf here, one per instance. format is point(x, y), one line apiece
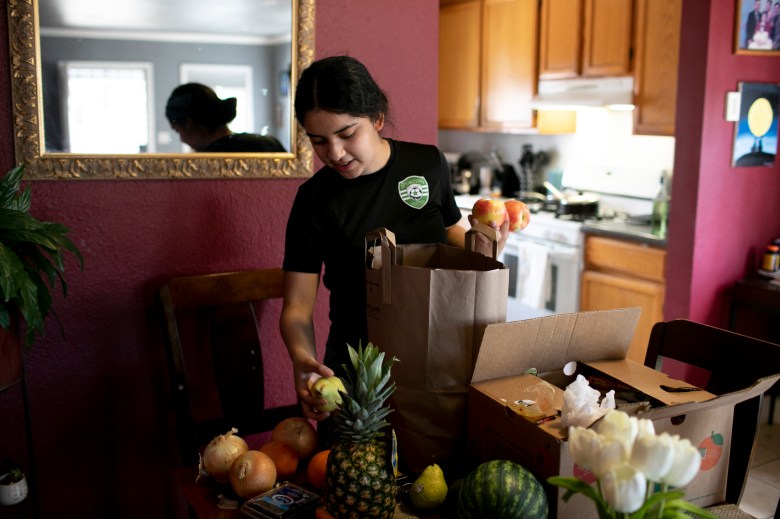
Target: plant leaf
point(31, 258)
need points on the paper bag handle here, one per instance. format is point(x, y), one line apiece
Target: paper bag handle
point(485, 230)
point(386, 238)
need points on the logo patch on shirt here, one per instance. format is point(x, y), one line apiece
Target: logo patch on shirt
point(414, 191)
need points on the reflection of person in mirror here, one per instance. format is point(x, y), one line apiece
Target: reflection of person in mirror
point(368, 181)
point(201, 119)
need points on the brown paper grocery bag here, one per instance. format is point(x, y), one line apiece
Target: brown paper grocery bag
point(428, 305)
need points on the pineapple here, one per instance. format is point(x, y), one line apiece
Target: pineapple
point(360, 480)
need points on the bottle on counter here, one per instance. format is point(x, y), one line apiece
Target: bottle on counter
point(660, 216)
point(771, 259)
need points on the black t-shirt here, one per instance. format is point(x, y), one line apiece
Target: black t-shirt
point(411, 196)
point(246, 143)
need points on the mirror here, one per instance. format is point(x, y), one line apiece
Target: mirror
point(45, 158)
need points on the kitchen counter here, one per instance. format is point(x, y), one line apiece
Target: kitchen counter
point(623, 230)
point(618, 228)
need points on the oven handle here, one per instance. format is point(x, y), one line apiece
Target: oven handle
point(559, 249)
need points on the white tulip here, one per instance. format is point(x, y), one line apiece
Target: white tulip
point(608, 455)
point(582, 444)
point(617, 425)
point(685, 465)
point(594, 452)
point(653, 455)
point(624, 488)
point(645, 426)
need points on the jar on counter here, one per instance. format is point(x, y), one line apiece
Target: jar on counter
point(771, 259)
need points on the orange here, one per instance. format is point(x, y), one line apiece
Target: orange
point(284, 457)
point(318, 466)
point(322, 513)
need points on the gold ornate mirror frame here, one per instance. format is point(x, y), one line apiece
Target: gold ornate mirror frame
point(28, 121)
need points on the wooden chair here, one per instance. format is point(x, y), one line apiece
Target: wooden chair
point(215, 356)
point(734, 362)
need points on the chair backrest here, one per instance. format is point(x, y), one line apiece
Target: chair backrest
point(734, 362)
point(215, 355)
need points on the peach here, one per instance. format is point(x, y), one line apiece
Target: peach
point(489, 211)
point(518, 213)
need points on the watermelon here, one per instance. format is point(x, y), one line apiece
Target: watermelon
point(501, 489)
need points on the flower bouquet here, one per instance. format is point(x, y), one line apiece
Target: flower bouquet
point(638, 473)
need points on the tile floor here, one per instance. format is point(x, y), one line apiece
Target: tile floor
point(763, 485)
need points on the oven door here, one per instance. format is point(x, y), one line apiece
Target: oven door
point(562, 292)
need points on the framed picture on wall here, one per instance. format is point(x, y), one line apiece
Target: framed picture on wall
point(757, 28)
point(755, 135)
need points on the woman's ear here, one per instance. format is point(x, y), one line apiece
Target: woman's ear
point(379, 122)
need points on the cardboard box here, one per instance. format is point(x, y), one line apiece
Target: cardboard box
point(598, 342)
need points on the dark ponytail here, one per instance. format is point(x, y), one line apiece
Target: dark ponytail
point(201, 105)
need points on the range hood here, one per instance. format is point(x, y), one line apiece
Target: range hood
point(569, 94)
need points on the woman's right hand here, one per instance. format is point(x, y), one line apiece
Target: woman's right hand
point(307, 371)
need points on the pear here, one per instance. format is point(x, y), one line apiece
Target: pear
point(328, 389)
point(430, 489)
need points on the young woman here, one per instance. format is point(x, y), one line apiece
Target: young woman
point(367, 181)
point(201, 119)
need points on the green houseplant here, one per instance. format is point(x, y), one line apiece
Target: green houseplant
point(31, 259)
point(13, 487)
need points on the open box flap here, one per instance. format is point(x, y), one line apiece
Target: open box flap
point(548, 343)
point(760, 386)
point(649, 381)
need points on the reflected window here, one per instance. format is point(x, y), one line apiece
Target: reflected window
point(107, 106)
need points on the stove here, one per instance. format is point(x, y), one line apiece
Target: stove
point(548, 226)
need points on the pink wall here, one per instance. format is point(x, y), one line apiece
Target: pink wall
point(722, 217)
point(98, 401)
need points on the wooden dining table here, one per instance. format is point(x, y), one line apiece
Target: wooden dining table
point(203, 496)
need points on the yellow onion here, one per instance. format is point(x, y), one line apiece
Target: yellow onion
point(220, 453)
point(252, 473)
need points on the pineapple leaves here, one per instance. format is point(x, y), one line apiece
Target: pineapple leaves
point(368, 385)
point(31, 258)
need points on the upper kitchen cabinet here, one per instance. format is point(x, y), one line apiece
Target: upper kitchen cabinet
point(588, 38)
point(655, 68)
point(459, 64)
point(560, 39)
point(487, 64)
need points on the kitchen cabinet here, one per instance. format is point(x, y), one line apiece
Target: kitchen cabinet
point(585, 38)
point(459, 64)
point(655, 69)
point(620, 274)
point(487, 64)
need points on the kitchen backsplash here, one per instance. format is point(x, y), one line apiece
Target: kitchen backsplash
point(603, 155)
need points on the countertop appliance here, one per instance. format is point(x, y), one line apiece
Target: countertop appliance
point(480, 173)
